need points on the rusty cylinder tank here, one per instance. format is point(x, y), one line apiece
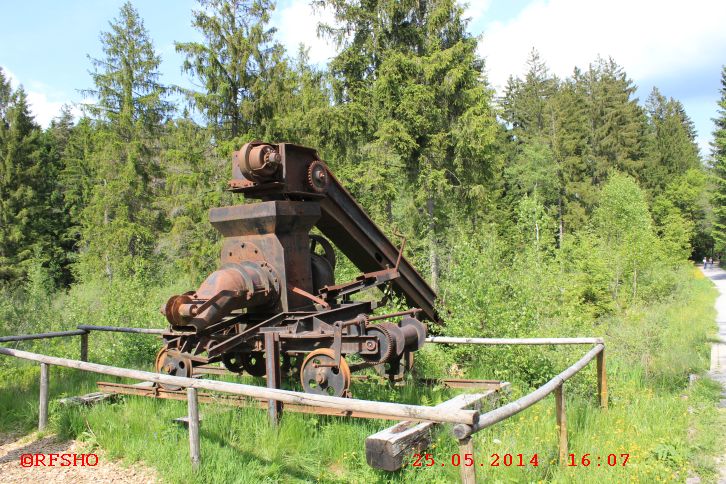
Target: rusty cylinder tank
point(234, 286)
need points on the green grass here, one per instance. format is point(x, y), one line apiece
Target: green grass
point(668, 428)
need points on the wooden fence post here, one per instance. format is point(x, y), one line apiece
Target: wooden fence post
point(193, 409)
point(467, 473)
point(43, 409)
point(561, 422)
point(84, 347)
point(602, 379)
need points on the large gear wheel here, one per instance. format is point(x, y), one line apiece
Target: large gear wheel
point(386, 344)
point(318, 177)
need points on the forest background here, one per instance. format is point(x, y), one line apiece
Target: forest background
point(558, 208)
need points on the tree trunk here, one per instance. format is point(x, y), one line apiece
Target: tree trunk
point(433, 253)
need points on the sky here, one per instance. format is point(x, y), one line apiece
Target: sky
point(679, 47)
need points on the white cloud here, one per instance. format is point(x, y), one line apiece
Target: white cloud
point(44, 101)
point(649, 38)
point(297, 23)
point(475, 9)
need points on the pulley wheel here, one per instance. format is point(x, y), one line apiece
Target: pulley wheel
point(254, 363)
point(291, 364)
point(318, 376)
point(167, 364)
point(233, 362)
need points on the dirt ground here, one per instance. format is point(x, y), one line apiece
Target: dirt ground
point(12, 447)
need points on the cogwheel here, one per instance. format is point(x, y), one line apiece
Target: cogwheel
point(386, 344)
point(318, 177)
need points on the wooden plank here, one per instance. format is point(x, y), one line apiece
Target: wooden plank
point(88, 399)
point(147, 389)
point(388, 448)
point(286, 396)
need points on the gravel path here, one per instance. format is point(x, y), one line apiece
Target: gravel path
point(12, 447)
point(718, 350)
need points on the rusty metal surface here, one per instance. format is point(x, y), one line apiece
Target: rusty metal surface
point(274, 281)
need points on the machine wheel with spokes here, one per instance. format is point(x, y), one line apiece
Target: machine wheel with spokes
point(168, 364)
point(320, 374)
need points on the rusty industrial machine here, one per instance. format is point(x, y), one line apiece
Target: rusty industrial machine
point(273, 305)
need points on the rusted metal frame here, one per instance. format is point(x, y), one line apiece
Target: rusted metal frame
point(488, 419)
point(272, 370)
point(467, 417)
point(27, 337)
point(240, 338)
point(347, 225)
point(313, 298)
point(394, 315)
point(515, 341)
point(361, 283)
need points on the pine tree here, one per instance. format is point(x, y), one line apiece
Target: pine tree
point(236, 65)
point(28, 224)
point(719, 172)
point(120, 220)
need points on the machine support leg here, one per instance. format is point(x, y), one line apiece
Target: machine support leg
point(561, 423)
point(602, 380)
point(43, 408)
point(467, 473)
point(193, 410)
point(84, 347)
point(272, 367)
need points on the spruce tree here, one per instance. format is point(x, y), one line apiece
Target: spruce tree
point(119, 222)
point(719, 172)
point(235, 65)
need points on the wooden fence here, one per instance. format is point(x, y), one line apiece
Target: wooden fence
point(466, 422)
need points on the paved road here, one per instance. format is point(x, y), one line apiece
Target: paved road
point(718, 350)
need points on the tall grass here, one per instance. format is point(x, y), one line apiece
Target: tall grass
point(667, 427)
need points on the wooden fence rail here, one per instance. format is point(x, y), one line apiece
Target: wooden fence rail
point(467, 422)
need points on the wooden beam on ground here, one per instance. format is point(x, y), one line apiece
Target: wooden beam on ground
point(88, 399)
point(388, 448)
point(467, 417)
